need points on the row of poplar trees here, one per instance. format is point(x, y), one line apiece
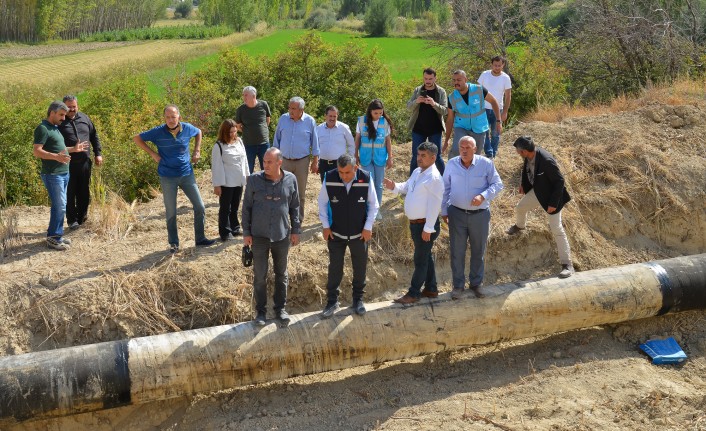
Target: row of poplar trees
point(41, 20)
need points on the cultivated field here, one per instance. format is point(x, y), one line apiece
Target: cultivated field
point(51, 63)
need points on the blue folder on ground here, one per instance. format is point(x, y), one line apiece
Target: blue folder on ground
point(664, 351)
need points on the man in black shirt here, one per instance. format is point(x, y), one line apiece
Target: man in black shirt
point(428, 108)
point(78, 128)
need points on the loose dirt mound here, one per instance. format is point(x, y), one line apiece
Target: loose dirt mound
point(637, 181)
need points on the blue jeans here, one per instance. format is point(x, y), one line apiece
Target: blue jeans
point(424, 270)
point(261, 249)
point(377, 173)
point(492, 137)
point(465, 226)
point(418, 138)
point(187, 183)
point(56, 185)
point(251, 151)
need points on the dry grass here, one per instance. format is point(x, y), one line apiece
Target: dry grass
point(112, 217)
point(170, 296)
point(682, 92)
point(9, 232)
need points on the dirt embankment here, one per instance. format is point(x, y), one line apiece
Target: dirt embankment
point(637, 180)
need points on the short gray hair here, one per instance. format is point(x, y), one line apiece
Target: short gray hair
point(172, 106)
point(467, 138)
point(298, 100)
point(276, 152)
point(429, 147)
point(460, 72)
point(345, 160)
point(57, 106)
point(250, 90)
point(69, 98)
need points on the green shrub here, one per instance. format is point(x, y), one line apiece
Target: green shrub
point(321, 19)
point(380, 18)
point(183, 9)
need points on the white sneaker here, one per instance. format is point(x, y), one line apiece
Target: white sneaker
point(566, 271)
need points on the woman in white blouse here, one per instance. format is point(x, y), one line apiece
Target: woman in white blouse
point(229, 170)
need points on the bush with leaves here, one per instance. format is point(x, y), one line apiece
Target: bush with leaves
point(183, 9)
point(320, 73)
point(538, 79)
point(321, 18)
point(380, 18)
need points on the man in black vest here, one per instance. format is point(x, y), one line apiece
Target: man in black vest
point(542, 185)
point(347, 209)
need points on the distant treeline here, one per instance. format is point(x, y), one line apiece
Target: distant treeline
point(41, 20)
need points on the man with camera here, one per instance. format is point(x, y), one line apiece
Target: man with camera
point(428, 109)
point(271, 224)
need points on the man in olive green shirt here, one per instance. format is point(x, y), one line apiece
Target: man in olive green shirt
point(50, 147)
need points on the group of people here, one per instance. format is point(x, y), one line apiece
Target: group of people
point(352, 172)
point(63, 142)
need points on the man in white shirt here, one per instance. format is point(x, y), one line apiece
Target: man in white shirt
point(347, 209)
point(335, 140)
point(424, 191)
point(499, 85)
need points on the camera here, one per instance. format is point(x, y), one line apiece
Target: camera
point(247, 256)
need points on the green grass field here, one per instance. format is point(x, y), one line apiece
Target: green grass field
point(404, 57)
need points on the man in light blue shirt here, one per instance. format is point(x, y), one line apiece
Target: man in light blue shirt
point(470, 183)
point(175, 171)
point(296, 138)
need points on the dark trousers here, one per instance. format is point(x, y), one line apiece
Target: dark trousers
point(78, 194)
point(424, 271)
point(359, 259)
point(325, 166)
point(253, 151)
point(228, 204)
point(261, 249)
point(465, 227)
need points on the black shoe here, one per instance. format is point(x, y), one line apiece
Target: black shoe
point(329, 310)
point(283, 317)
point(75, 225)
point(205, 242)
point(261, 318)
point(173, 248)
point(359, 307)
point(227, 238)
point(237, 231)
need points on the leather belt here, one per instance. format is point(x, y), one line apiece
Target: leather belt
point(418, 221)
point(295, 160)
point(470, 211)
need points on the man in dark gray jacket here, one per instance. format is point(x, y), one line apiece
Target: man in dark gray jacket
point(542, 185)
point(270, 224)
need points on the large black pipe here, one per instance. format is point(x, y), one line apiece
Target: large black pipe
point(106, 375)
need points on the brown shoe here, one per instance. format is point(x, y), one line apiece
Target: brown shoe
point(477, 292)
point(406, 300)
point(429, 294)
